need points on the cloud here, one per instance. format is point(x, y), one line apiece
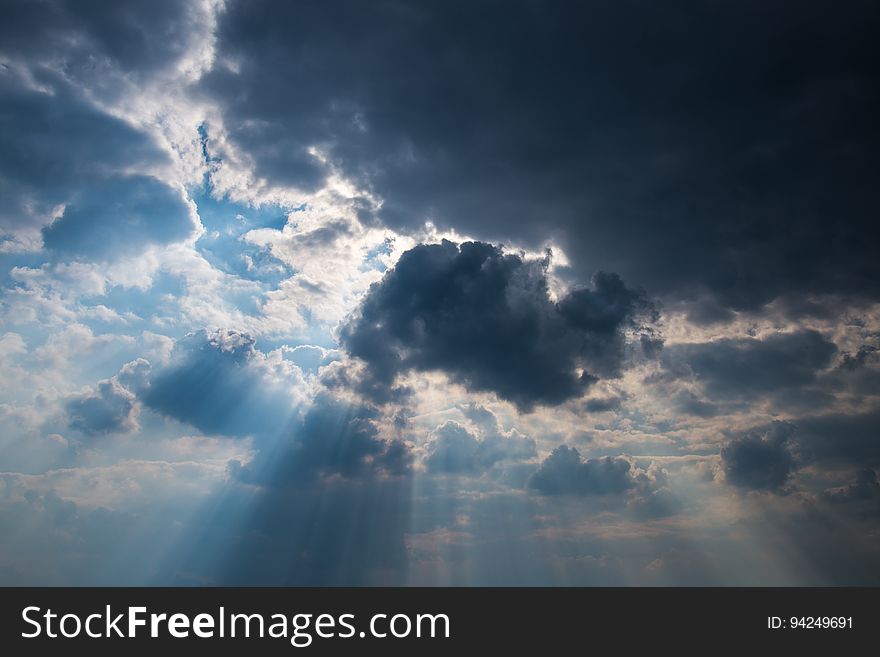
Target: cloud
point(564, 472)
point(602, 404)
point(866, 354)
point(87, 40)
point(220, 383)
point(452, 449)
point(690, 404)
point(841, 438)
point(734, 180)
point(865, 487)
point(732, 368)
point(486, 319)
point(760, 459)
point(113, 409)
point(744, 174)
point(135, 375)
point(57, 148)
point(334, 437)
point(120, 216)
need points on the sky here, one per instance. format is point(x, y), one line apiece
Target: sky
point(439, 293)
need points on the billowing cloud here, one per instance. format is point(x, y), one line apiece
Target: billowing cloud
point(565, 472)
point(486, 319)
point(111, 409)
point(57, 148)
point(760, 459)
point(739, 168)
point(453, 449)
point(219, 382)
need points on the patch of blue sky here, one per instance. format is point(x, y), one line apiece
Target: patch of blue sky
point(10, 261)
point(222, 245)
point(312, 335)
point(373, 259)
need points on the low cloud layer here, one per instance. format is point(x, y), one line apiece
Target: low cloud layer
point(750, 367)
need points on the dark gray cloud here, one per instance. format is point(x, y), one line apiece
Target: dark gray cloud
point(748, 367)
point(690, 404)
point(486, 319)
point(112, 409)
point(742, 169)
point(760, 459)
point(84, 37)
point(602, 404)
point(841, 438)
point(564, 472)
point(453, 449)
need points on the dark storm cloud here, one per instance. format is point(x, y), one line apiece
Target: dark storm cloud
point(486, 319)
point(564, 472)
point(135, 36)
point(760, 459)
point(655, 141)
point(852, 439)
point(111, 410)
point(453, 449)
point(750, 367)
point(216, 383)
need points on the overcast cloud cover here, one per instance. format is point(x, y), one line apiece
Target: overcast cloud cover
point(468, 293)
